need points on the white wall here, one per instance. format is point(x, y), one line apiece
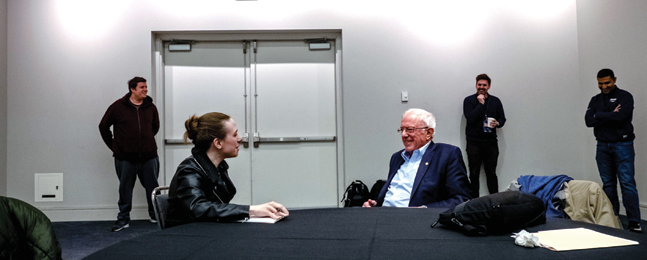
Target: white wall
point(3, 97)
point(65, 67)
point(518, 50)
point(612, 34)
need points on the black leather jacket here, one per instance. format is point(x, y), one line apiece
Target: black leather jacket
point(201, 192)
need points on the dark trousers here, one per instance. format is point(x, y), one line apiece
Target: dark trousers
point(127, 172)
point(487, 154)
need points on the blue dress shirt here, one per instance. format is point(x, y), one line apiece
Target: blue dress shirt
point(399, 192)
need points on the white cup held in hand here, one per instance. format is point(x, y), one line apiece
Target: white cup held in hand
point(489, 121)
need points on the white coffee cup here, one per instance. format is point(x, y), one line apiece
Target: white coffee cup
point(490, 120)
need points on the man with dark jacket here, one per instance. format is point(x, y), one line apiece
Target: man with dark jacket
point(484, 114)
point(610, 114)
point(424, 173)
point(135, 122)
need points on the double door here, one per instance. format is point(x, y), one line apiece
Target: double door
point(282, 96)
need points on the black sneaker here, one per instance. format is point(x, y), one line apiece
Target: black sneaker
point(119, 225)
point(635, 227)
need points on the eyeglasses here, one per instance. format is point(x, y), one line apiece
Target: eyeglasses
point(409, 130)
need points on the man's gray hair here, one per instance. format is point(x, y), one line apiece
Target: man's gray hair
point(424, 115)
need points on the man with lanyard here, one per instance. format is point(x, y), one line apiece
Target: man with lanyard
point(610, 114)
point(484, 114)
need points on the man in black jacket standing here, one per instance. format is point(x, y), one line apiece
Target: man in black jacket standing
point(484, 114)
point(135, 122)
point(610, 114)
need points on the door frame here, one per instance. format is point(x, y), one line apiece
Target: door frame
point(158, 39)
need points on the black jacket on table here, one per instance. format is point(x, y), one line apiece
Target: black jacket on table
point(134, 129)
point(475, 114)
point(200, 192)
point(609, 126)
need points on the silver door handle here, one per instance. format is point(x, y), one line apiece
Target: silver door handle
point(174, 141)
point(257, 140)
point(245, 140)
point(297, 139)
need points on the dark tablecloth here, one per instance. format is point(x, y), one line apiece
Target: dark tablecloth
point(352, 233)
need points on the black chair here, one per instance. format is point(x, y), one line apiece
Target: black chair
point(160, 205)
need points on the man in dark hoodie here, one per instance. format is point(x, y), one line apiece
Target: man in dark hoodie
point(135, 122)
point(610, 113)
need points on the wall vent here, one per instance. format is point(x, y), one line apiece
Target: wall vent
point(48, 187)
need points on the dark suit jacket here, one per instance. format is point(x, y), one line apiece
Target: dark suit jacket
point(441, 180)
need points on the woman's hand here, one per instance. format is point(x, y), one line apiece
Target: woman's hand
point(268, 210)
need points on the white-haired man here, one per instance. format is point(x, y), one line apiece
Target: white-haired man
point(424, 173)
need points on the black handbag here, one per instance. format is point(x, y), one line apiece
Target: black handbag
point(494, 214)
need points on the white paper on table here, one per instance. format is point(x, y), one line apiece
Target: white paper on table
point(259, 220)
point(579, 238)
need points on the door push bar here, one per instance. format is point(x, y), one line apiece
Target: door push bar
point(257, 140)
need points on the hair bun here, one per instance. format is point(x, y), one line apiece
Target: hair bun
point(191, 126)
point(202, 130)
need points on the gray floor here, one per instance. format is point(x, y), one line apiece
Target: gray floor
point(81, 238)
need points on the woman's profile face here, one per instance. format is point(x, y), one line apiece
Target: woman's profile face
point(232, 140)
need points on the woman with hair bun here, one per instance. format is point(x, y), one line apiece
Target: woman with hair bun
point(201, 188)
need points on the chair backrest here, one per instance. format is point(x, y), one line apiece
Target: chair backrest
point(160, 205)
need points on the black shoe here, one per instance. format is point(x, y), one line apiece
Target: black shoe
point(635, 227)
point(119, 225)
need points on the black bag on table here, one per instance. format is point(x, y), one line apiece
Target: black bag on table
point(356, 194)
point(496, 213)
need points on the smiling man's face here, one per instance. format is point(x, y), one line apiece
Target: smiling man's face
point(482, 87)
point(606, 84)
point(419, 135)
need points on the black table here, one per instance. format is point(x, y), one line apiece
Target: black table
point(352, 233)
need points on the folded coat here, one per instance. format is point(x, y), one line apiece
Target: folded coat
point(587, 202)
point(25, 232)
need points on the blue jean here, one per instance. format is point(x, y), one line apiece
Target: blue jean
point(616, 162)
point(127, 172)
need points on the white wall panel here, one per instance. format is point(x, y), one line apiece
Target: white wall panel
point(61, 78)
